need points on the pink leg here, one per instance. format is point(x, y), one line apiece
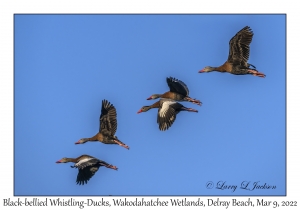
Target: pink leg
point(191, 110)
point(256, 73)
point(122, 145)
point(195, 101)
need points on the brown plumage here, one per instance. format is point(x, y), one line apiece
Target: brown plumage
point(167, 111)
point(178, 92)
point(87, 167)
point(107, 128)
point(237, 62)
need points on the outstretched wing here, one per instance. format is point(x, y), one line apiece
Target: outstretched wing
point(85, 174)
point(239, 46)
point(87, 167)
point(108, 119)
point(166, 115)
point(177, 86)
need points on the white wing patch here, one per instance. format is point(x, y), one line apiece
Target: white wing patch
point(83, 161)
point(164, 108)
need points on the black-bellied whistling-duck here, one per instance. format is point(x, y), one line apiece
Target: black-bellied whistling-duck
point(237, 62)
point(87, 167)
point(178, 92)
point(167, 111)
point(108, 127)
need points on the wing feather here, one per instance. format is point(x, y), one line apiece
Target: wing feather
point(108, 119)
point(81, 164)
point(239, 46)
point(166, 115)
point(177, 86)
point(84, 175)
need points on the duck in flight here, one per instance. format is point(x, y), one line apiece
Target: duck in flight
point(239, 50)
point(167, 111)
point(87, 167)
point(107, 128)
point(178, 92)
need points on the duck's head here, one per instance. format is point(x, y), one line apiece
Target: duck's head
point(63, 160)
point(154, 96)
point(81, 141)
point(144, 109)
point(206, 69)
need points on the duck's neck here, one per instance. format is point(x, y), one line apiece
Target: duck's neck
point(155, 105)
point(73, 160)
point(94, 138)
point(213, 68)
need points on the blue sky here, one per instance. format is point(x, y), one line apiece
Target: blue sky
point(65, 65)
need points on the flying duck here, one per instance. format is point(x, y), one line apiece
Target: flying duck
point(87, 167)
point(239, 50)
point(178, 92)
point(167, 111)
point(107, 128)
